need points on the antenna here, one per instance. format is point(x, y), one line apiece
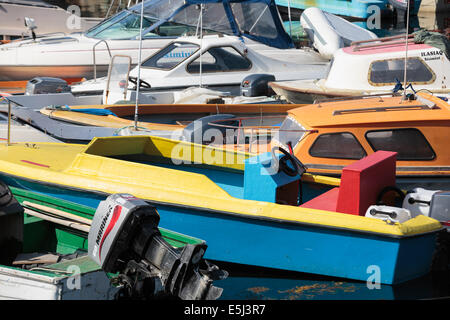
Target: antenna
point(290, 19)
point(406, 50)
point(138, 84)
point(201, 43)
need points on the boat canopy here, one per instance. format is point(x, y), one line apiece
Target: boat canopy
point(258, 20)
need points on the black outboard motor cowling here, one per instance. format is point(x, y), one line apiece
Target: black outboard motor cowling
point(124, 238)
point(257, 85)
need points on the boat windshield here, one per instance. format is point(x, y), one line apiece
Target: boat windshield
point(126, 25)
point(258, 20)
point(290, 132)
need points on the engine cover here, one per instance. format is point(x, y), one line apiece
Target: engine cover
point(107, 238)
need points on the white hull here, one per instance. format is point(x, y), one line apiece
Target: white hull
point(73, 57)
point(16, 284)
point(306, 65)
point(24, 133)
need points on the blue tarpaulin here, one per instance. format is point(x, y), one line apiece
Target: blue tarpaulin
point(258, 20)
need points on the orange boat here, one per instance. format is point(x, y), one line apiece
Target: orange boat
point(328, 136)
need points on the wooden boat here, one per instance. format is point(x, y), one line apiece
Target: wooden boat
point(334, 133)
point(378, 67)
point(237, 203)
point(43, 250)
point(167, 120)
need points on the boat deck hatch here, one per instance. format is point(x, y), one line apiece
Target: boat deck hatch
point(384, 109)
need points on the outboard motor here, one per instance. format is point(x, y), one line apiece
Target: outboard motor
point(388, 213)
point(124, 238)
point(431, 203)
point(11, 225)
point(257, 85)
point(43, 85)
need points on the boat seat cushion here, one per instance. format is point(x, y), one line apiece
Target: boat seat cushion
point(326, 201)
point(361, 183)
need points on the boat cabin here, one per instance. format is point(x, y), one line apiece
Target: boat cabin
point(327, 136)
point(219, 62)
point(376, 67)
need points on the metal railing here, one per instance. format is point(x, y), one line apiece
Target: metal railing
point(93, 56)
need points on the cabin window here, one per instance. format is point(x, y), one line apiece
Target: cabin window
point(171, 56)
point(387, 72)
point(341, 145)
point(220, 59)
point(410, 144)
point(254, 19)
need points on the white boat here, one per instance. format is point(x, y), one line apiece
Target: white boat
point(48, 18)
point(18, 131)
point(373, 68)
point(328, 32)
point(213, 61)
point(88, 54)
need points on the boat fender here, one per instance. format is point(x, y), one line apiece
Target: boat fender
point(321, 33)
point(388, 213)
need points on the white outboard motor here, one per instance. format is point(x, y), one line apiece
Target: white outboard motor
point(418, 201)
point(431, 203)
point(124, 238)
point(45, 85)
point(388, 213)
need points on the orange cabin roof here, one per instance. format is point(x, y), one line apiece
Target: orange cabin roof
point(373, 110)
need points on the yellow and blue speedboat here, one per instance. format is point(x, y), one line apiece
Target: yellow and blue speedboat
point(254, 210)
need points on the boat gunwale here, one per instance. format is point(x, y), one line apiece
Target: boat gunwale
point(240, 215)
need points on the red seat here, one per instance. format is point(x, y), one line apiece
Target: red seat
point(361, 183)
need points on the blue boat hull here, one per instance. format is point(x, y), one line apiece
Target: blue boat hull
point(280, 244)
